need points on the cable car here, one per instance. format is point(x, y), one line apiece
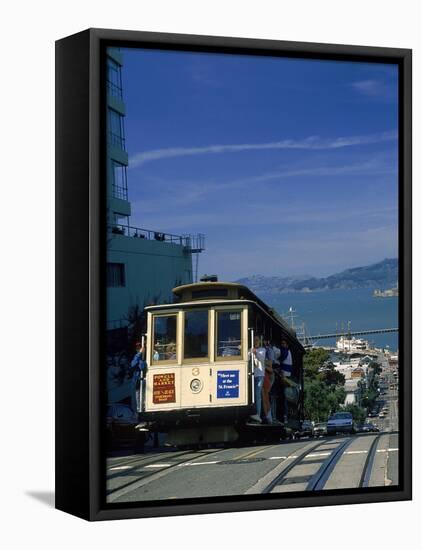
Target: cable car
point(199, 384)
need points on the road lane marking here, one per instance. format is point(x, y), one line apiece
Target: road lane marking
point(120, 468)
point(255, 452)
point(158, 465)
point(313, 455)
point(117, 493)
point(200, 463)
point(387, 450)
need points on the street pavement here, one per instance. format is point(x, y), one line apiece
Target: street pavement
point(308, 464)
point(327, 463)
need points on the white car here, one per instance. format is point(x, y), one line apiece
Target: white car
point(341, 422)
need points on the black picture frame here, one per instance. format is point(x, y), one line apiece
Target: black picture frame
point(80, 284)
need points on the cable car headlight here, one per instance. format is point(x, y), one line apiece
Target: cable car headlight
point(196, 385)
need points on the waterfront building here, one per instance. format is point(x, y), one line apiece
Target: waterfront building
point(351, 344)
point(143, 265)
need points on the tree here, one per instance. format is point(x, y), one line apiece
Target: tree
point(316, 406)
point(376, 367)
point(314, 359)
point(323, 386)
point(330, 376)
point(358, 413)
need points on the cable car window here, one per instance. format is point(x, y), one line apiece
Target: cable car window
point(165, 347)
point(229, 343)
point(196, 334)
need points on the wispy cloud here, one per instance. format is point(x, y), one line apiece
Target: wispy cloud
point(374, 88)
point(266, 215)
point(199, 190)
point(309, 143)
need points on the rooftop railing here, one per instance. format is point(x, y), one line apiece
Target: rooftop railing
point(195, 243)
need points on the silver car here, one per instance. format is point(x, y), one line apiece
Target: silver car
point(341, 422)
point(320, 429)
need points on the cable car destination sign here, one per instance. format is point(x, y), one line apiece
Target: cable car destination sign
point(163, 388)
point(227, 383)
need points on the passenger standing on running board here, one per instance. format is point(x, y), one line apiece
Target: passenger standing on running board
point(286, 362)
point(138, 366)
point(258, 354)
point(276, 391)
point(268, 381)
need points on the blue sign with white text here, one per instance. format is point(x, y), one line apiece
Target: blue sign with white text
point(227, 383)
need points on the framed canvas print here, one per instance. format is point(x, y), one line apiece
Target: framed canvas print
point(233, 274)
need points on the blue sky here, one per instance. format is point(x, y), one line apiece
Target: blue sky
point(288, 166)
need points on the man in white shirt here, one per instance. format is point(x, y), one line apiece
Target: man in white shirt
point(258, 356)
point(286, 362)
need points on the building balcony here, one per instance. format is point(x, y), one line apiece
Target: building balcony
point(193, 243)
point(114, 100)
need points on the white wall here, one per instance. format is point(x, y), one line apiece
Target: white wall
point(28, 33)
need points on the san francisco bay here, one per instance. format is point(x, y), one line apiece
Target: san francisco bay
point(330, 311)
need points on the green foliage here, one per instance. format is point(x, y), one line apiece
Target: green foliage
point(313, 360)
point(323, 386)
point(321, 400)
point(330, 376)
point(358, 413)
point(369, 397)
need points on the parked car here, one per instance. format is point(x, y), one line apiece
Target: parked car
point(341, 422)
point(121, 424)
point(372, 427)
point(366, 428)
point(306, 429)
point(320, 429)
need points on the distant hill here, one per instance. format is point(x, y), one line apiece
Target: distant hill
point(380, 275)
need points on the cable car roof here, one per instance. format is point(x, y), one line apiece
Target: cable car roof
point(214, 292)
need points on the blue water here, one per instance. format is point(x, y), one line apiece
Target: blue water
point(322, 311)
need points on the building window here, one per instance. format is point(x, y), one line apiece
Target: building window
point(116, 134)
point(196, 334)
point(116, 275)
point(119, 185)
point(114, 78)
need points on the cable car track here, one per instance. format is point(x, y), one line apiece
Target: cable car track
point(115, 493)
point(318, 480)
point(282, 476)
point(369, 462)
point(141, 462)
point(319, 465)
point(143, 457)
